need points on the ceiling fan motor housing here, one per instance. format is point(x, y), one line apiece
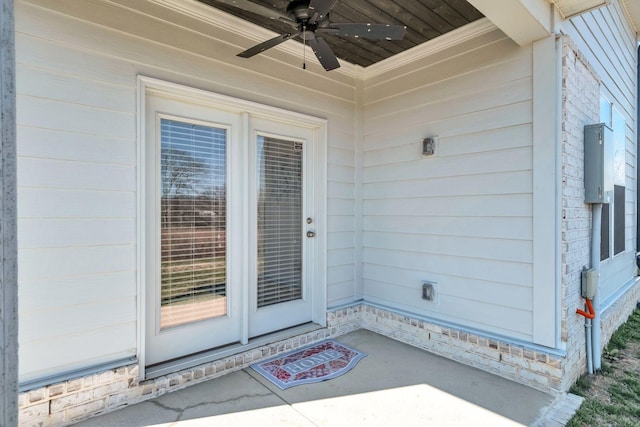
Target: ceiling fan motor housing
point(299, 10)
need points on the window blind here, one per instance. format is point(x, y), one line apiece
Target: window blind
point(192, 222)
point(279, 221)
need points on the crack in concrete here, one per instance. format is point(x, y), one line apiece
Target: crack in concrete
point(168, 408)
point(180, 412)
point(257, 381)
point(218, 402)
point(285, 401)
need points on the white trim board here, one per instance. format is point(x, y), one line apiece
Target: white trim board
point(431, 47)
point(546, 185)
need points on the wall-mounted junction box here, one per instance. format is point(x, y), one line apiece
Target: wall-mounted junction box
point(590, 279)
point(429, 291)
point(598, 164)
point(429, 146)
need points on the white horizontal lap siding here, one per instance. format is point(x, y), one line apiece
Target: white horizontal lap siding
point(462, 218)
point(76, 227)
point(608, 43)
point(341, 220)
point(77, 79)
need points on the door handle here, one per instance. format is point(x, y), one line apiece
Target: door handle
point(311, 234)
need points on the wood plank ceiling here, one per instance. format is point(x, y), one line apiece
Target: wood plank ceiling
point(424, 19)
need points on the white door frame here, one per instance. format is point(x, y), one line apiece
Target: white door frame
point(247, 109)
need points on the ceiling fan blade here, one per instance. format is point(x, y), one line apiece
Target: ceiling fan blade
point(258, 9)
point(368, 31)
point(259, 48)
point(324, 53)
point(319, 9)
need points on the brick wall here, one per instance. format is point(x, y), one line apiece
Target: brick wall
point(580, 106)
point(531, 366)
point(618, 313)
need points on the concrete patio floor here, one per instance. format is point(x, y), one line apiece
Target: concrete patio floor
point(395, 385)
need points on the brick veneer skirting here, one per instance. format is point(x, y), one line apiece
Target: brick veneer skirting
point(77, 399)
point(527, 365)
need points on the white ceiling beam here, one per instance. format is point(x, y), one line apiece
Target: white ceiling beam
point(524, 21)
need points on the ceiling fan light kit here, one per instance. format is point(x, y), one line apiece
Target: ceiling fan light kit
point(310, 20)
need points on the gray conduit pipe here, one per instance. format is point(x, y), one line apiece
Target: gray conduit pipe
point(587, 330)
point(596, 221)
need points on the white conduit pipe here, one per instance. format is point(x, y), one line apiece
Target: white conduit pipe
point(587, 330)
point(596, 221)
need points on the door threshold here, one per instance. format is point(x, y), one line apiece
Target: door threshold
point(187, 362)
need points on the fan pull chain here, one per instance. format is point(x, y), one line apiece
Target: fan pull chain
point(304, 47)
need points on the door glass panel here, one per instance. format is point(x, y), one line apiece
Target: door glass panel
point(193, 222)
point(279, 221)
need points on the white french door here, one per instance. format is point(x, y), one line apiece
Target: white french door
point(229, 227)
point(283, 238)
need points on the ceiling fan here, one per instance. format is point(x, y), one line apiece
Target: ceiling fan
point(310, 20)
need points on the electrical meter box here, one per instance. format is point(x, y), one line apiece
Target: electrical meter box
point(598, 163)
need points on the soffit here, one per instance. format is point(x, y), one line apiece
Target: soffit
point(569, 8)
point(633, 10)
point(425, 20)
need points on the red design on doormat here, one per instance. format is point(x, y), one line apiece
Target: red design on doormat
point(318, 362)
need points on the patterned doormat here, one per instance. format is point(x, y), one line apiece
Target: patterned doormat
point(318, 362)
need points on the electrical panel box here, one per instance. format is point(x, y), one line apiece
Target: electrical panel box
point(598, 163)
point(590, 279)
